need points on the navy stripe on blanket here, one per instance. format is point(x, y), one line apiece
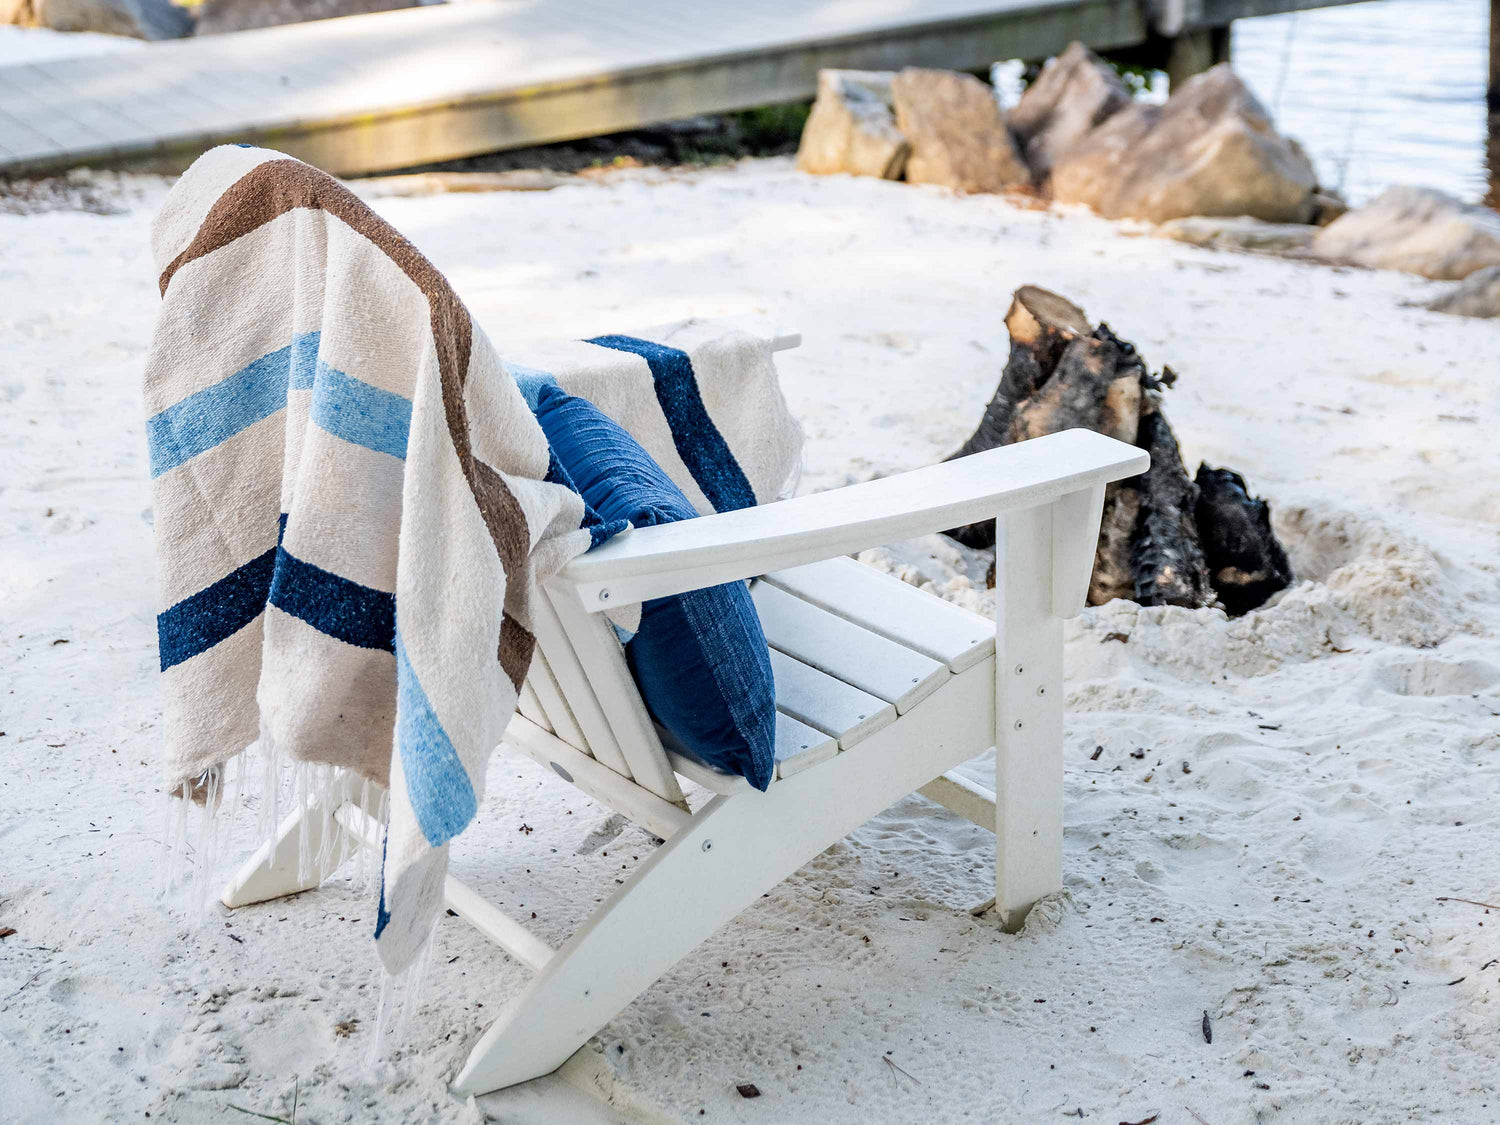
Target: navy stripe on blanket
point(700, 445)
point(346, 407)
point(343, 609)
point(215, 613)
point(337, 606)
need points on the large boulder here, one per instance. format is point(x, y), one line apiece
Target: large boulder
point(957, 134)
point(1210, 150)
point(1419, 230)
point(1073, 95)
point(1476, 295)
point(852, 127)
point(217, 16)
point(140, 19)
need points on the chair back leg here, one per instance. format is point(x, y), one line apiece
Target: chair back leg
point(308, 846)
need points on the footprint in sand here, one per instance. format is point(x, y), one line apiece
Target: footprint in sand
point(1428, 676)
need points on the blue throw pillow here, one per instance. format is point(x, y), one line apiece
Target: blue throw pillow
point(700, 659)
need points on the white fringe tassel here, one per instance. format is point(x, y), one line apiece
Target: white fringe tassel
point(240, 814)
point(399, 996)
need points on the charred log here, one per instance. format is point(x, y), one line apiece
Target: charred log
point(1166, 557)
point(1041, 324)
point(1246, 563)
point(1061, 374)
point(1162, 540)
point(1112, 576)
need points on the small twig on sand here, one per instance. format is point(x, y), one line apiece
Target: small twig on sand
point(262, 1116)
point(1470, 901)
point(296, 1097)
point(897, 1069)
point(31, 978)
point(1196, 1114)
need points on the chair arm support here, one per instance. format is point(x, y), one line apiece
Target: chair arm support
point(654, 562)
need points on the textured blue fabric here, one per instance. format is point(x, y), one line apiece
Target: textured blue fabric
point(700, 659)
point(436, 782)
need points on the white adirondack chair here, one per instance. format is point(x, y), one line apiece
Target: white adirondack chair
point(882, 689)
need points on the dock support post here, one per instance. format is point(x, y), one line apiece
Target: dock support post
point(1494, 83)
point(1492, 146)
point(1193, 51)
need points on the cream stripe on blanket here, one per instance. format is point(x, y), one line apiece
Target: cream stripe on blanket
point(353, 499)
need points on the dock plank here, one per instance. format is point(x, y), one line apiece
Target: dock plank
point(392, 89)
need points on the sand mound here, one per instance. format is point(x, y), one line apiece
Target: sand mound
point(1360, 579)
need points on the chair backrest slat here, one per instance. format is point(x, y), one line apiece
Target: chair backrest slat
point(599, 652)
point(574, 684)
point(531, 707)
point(554, 707)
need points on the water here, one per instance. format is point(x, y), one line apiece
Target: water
point(1379, 93)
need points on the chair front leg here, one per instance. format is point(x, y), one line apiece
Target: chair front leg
point(1028, 714)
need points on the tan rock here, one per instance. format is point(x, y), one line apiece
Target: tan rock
point(852, 127)
point(17, 13)
point(139, 19)
point(1419, 230)
point(1210, 150)
point(1240, 233)
point(218, 16)
point(1075, 93)
point(1328, 205)
point(957, 133)
point(1476, 295)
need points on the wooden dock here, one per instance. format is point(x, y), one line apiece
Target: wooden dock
point(396, 89)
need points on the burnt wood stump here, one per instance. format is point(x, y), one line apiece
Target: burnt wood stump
point(1165, 538)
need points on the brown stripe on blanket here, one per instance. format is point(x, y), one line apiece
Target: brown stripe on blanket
point(275, 187)
point(516, 646)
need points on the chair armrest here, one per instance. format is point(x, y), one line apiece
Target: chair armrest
point(654, 562)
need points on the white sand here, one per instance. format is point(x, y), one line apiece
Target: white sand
point(1287, 885)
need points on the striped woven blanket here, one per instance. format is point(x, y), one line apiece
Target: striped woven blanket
point(353, 499)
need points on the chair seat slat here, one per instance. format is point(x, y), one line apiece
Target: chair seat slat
point(799, 746)
point(892, 608)
point(845, 650)
point(825, 703)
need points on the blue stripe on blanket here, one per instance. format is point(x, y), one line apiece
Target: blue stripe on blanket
point(437, 785)
point(216, 413)
point(359, 413)
point(337, 606)
point(215, 613)
point(698, 441)
point(346, 407)
point(530, 381)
